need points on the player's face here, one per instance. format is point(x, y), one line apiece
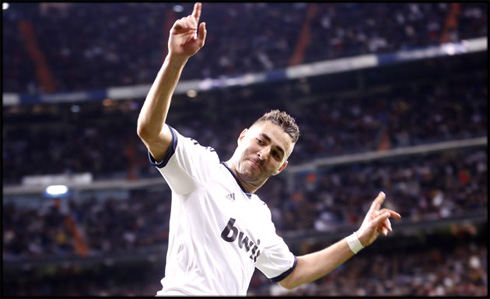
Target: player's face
point(264, 149)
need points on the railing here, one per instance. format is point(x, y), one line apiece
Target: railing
point(158, 252)
point(123, 184)
point(294, 72)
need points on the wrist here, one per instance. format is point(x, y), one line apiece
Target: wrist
point(354, 244)
point(177, 61)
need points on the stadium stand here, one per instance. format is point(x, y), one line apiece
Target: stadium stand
point(430, 114)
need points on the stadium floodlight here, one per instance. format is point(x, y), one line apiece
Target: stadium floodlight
point(178, 8)
point(56, 190)
point(191, 93)
point(5, 5)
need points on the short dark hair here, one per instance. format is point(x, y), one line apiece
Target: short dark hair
point(282, 119)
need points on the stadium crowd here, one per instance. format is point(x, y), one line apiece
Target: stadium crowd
point(102, 140)
point(453, 263)
point(331, 125)
point(120, 44)
point(422, 188)
point(431, 270)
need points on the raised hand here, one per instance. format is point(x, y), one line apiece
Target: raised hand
point(376, 221)
point(184, 41)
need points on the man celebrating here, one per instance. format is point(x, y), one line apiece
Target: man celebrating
point(220, 231)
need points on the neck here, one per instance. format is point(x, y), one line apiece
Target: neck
point(250, 187)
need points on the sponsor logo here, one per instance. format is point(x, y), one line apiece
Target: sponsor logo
point(231, 234)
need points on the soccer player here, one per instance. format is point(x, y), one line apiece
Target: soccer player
point(220, 231)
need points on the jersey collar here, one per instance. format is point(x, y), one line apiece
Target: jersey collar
point(249, 195)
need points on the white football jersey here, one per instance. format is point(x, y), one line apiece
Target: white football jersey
point(218, 232)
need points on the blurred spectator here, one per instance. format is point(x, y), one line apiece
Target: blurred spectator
point(442, 264)
point(331, 123)
point(99, 45)
point(84, 49)
point(426, 187)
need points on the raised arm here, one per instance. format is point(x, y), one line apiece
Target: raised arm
point(312, 266)
point(184, 42)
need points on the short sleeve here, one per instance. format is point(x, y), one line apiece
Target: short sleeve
point(187, 165)
point(276, 261)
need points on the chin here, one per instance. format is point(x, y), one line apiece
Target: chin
point(248, 176)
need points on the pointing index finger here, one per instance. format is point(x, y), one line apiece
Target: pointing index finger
point(376, 205)
point(197, 11)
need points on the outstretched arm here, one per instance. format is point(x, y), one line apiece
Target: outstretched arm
point(312, 266)
point(184, 42)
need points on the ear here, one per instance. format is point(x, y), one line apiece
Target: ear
point(281, 168)
point(242, 135)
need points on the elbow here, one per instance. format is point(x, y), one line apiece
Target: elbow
point(288, 283)
point(149, 134)
point(143, 132)
point(288, 287)
point(296, 277)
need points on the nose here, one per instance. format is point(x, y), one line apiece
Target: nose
point(263, 154)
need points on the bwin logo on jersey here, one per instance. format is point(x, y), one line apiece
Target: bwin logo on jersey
point(230, 234)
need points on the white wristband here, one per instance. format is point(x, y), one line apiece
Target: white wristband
point(354, 243)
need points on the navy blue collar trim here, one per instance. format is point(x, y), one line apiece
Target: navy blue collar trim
point(249, 195)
